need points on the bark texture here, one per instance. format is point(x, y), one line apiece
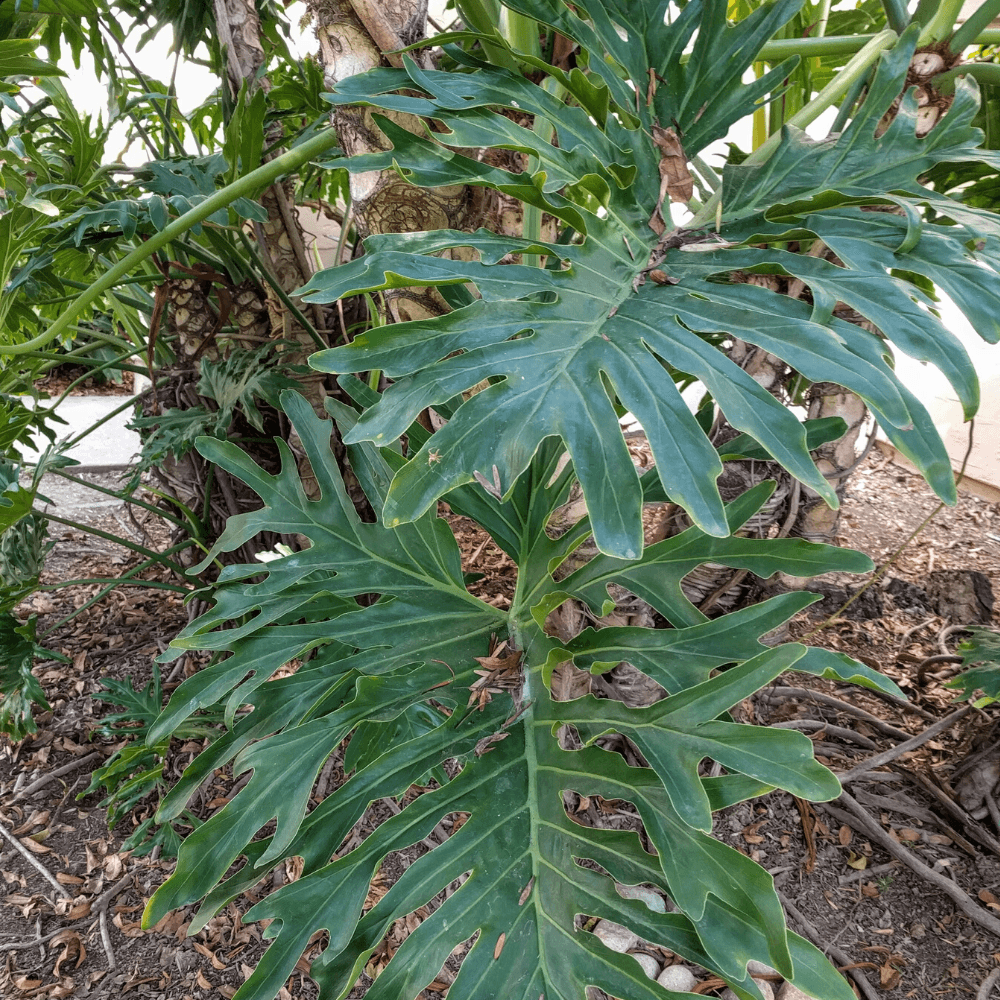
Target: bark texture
point(353, 37)
point(280, 240)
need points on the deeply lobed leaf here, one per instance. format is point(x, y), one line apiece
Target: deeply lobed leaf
point(403, 665)
point(561, 345)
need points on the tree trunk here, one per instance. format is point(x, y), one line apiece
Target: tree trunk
point(280, 240)
point(353, 38)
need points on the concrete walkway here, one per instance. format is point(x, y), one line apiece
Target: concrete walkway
point(111, 446)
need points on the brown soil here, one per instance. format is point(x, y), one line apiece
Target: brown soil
point(907, 936)
point(58, 379)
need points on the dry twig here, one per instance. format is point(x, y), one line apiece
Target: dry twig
point(864, 824)
point(32, 943)
point(845, 734)
point(57, 773)
point(867, 873)
point(106, 939)
point(37, 865)
point(919, 740)
point(903, 704)
point(985, 991)
point(874, 721)
point(102, 901)
point(916, 812)
point(930, 661)
point(945, 797)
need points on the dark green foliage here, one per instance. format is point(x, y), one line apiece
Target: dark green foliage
point(981, 657)
point(381, 669)
point(135, 771)
point(601, 326)
point(385, 638)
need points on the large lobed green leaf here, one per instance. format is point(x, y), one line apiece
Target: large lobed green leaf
point(397, 671)
point(561, 345)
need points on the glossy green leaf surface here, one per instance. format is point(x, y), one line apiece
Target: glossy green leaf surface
point(402, 662)
point(561, 345)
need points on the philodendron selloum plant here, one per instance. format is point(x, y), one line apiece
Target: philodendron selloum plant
point(393, 652)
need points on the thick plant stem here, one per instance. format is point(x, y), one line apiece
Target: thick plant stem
point(976, 23)
point(832, 45)
point(857, 68)
point(982, 73)
point(759, 115)
point(847, 106)
point(942, 23)
point(841, 45)
point(522, 33)
point(896, 15)
point(245, 187)
point(484, 16)
point(824, 18)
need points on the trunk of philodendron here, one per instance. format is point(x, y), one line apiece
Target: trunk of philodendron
point(353, 39)
point(281, 242)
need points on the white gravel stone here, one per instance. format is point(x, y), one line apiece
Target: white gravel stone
point(789, 992)
point(756, 968)
point(649, 964)
point(679, 978)
point(615, 937)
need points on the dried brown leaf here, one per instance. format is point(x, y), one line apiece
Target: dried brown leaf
point(674, 174)
point(34, 846)
point(38, 818)
point(526, 891)
point(989, 899)
point(72, 947)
